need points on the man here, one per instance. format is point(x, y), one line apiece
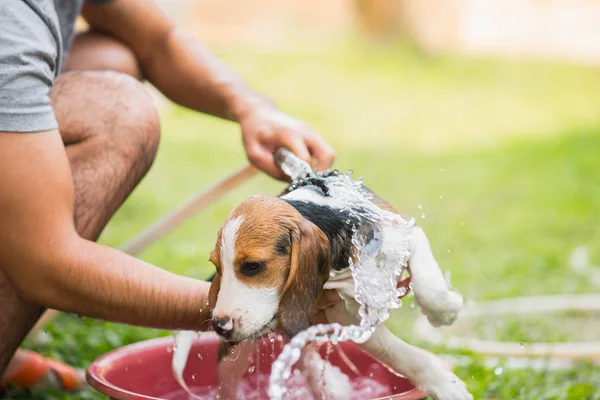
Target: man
point(77, 133)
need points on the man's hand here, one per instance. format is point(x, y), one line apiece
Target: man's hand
point(49, 264)
point(328, 298)
point(190, 75)
point(331, 297)
point(265, 131)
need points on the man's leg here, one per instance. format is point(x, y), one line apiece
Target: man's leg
point(95, 51)
point(111, 131)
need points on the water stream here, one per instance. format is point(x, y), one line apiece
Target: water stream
point(381, 242)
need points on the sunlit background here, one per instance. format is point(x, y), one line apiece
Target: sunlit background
point(481, 118)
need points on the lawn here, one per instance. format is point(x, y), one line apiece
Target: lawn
point(497, 160)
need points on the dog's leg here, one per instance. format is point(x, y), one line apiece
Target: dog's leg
point(325, 380)
point(423, 369)
point(440, 305)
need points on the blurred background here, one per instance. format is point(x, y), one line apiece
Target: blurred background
point(481, 118)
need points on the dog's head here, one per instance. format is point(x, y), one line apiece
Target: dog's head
point(271, 266)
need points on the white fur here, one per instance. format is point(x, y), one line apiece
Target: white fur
point(228, 239)
point(440, 305)
point(250, 309)
point(425, 370)
point(324, 379)
point(310, 195)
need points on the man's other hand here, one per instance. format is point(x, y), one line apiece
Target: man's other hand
point(265, 131)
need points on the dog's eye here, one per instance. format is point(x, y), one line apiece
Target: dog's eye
point(252, 268)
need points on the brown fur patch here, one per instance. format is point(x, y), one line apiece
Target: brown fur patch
point(309, 270)
point(299, 273)
point(266, 220)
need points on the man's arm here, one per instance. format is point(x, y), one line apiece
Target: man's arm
point(51, 265)
point(192, 76)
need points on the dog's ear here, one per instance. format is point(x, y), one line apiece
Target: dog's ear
point(213, 292)
point(309, 270)
point(215, 285)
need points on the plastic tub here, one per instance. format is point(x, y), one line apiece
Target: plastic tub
point(143, 370)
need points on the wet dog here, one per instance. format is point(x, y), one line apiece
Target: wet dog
point(273, 257)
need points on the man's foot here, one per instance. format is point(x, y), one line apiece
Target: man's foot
point(29, 370)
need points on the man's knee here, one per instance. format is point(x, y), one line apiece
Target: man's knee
point(111, 109)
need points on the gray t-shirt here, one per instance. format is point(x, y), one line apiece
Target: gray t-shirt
point(35, 37)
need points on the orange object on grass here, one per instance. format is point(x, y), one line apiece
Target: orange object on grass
point(34, 369)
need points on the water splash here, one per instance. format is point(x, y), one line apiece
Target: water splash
point(182, 346)
point(381, 241)
point(272, 337)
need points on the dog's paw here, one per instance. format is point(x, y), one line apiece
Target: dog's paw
point(447, 386)
point(441, 309)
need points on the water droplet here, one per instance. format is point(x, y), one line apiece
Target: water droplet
point(441, 169)
point(200, 356)
point(251, 369)
point(498, 371)
point(194, 377)
point(448, 250)
point(462, 223)
point(374, 270)
point(441, 197)
point(423, 215)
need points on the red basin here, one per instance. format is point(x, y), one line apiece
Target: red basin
point(143, 370)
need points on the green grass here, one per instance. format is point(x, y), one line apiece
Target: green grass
point(551, 327)
point(501, 156)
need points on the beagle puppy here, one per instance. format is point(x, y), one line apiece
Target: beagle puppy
point(273, 258)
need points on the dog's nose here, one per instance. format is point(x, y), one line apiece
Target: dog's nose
point(223, 326)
